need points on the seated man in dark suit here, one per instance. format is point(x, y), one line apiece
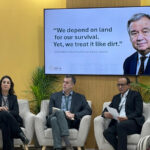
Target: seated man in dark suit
point(129, 105)
point(72, 107)
point(139, 32)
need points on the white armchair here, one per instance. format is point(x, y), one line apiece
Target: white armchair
point(28, 121)
point(44, 134)
point(100, 124)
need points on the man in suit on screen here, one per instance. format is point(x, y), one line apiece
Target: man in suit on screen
point(139, 32)
point(129, 105)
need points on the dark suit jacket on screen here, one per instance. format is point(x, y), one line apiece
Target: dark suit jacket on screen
point(79, 106)
point(133, 107)
point(130, 65)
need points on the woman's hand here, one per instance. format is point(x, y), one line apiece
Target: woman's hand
point(4, 108)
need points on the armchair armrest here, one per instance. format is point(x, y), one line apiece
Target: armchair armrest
point(28, 121)
point(83, 129)
point(98, 130)
point(145, 129)
point(100, 124)
point(40, 124)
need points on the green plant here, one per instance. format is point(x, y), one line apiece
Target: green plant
point(143, 89)
point(42, 87)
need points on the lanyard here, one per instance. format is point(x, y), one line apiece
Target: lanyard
point(122, 103)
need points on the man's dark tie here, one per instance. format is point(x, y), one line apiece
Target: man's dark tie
point(141, 70)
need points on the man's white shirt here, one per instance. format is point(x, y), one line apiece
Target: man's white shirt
point(122, 104)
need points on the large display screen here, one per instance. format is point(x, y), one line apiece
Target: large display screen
point(88, 41)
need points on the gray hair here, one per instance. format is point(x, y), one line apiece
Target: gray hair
point(136, 17)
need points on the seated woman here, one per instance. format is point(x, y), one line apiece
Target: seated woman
point(10, 121)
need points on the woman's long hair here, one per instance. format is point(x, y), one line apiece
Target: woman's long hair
point(11, 90)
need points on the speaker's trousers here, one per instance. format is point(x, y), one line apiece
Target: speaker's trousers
point(59, 126)
point(10, 129)
point(116, 134)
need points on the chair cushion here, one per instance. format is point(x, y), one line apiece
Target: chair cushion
point(133, 139)
point(73, 133)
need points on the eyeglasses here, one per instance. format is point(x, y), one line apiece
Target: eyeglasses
point(121, 85)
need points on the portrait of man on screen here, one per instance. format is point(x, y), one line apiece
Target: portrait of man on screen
point(139, 32)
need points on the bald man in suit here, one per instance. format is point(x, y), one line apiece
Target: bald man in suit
point(129, 105)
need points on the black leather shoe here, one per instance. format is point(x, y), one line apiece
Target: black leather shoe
point(23, 138)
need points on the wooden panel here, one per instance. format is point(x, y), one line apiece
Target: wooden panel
point(98, 89)
point(95, 88)
point(101, 3)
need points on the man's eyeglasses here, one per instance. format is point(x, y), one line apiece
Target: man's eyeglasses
point(121, 85)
